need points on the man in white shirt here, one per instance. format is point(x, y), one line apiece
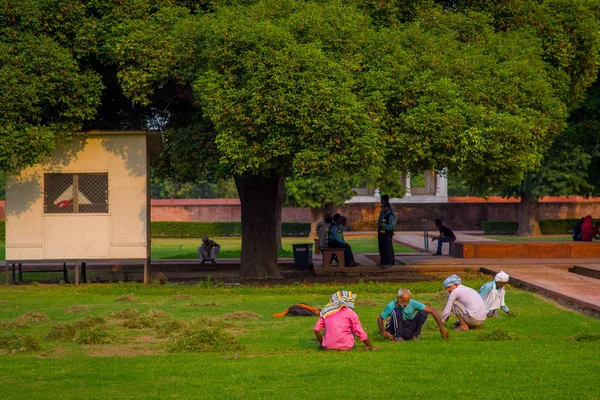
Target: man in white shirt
point(466, 303)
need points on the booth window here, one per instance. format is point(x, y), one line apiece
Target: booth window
point(75, 193)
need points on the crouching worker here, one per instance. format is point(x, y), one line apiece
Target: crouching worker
point(492, 294)
point(406, 318)
point(341, 323)
point(466, 304)
point(208, 250)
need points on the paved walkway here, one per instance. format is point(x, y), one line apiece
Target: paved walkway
point(580, 291)
point(416, 240)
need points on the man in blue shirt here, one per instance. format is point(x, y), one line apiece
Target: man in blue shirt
point(406, 318)
point(335, 239)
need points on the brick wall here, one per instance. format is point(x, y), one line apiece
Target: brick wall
point(2, 210)
point(463, 215)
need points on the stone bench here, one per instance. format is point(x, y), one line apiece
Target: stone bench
point(328, 254)
point(525, 249)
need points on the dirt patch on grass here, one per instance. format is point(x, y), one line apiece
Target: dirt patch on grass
point(496, 335)
point(3, 301)
point(14, 324)
point(33, 317)
point(203, 304)
point(585, 337)
point(127, 313)
point(126, 297)
point(367, 302)
point(183, 297)
point(124, 350)
point(76, 309)
point(241, 315)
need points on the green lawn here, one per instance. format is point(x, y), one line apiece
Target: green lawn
point(230, 247)
point(279, 356)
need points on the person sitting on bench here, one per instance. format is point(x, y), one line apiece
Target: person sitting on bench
point(446, 235)
point(335, 239)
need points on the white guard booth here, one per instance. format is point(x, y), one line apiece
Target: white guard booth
point(90, 201)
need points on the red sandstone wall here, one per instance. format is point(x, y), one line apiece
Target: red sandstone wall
point(213, 210)
point(466, 215)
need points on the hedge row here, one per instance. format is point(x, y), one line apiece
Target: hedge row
point(2, 230)
point(168, 229)
point(547, 226)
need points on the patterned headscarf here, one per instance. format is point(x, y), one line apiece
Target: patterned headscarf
point(338, 300)
point(452, 280)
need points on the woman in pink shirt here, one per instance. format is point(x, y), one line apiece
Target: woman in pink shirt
point(341, 323)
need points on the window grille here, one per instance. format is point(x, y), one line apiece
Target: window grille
point(75, 193)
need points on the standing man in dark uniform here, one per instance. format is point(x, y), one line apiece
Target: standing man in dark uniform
point(385, 233)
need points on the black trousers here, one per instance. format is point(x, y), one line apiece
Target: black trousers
point(348, 256)
point(386, 248)
point(406, 328)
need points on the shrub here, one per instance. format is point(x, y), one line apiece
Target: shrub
point(178, 229)
point(500, 227)
point(2, 230)
point(559, 226)
point(19, 343)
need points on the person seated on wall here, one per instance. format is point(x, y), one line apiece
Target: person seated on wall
point(577, 230)
point(335, 239)
point(406, 318)
point(208, 250)
point(587, 229)
point(492, 294)
point(446, 236)
point(466, 304)
point(341, 324)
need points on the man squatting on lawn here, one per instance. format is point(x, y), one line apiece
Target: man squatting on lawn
point(466, 303)
point(341, 323)
point(492, 294)
point(208, 250)
point(403, 323)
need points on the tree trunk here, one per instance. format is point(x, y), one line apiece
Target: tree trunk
point(280, 201)
point(528, 216)
point(260, 201)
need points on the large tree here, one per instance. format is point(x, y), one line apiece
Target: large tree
point(47, 93)
point(262, 90)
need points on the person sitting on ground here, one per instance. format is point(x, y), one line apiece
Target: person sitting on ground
point(335, 239)
point(208, 250)
point(446, 235)
point(587, 229)
point(577, 230)
point(466, 304)
point(406, 318)
point(341, 323)
point(596, 234)
point(492, 294)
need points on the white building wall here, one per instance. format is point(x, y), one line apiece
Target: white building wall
point(119, 234)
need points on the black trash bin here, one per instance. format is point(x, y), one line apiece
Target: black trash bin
point(302, 255)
